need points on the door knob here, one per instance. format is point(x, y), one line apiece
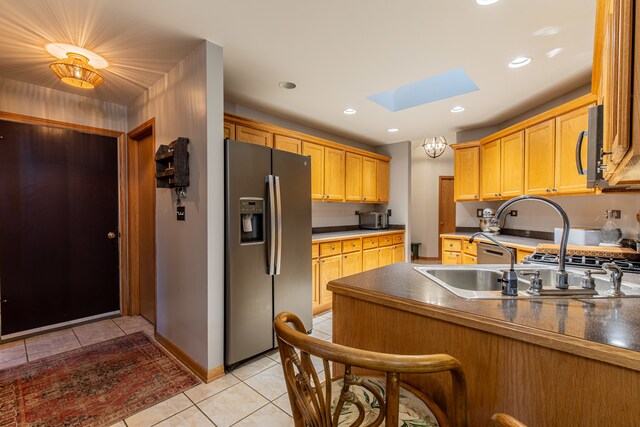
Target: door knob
point(111, 235)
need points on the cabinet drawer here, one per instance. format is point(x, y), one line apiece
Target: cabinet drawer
point(469, 248)
point(351, 245)
point(469, 259)
point(398, 238)
point(315, 250)
point(451, 257)
point(452, 245)
point(369, 242)
point(385, 240)
point(330, 248)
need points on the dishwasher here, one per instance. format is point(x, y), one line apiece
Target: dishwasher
point(493, 254)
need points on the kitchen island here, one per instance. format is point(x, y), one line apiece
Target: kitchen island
point(564, 362)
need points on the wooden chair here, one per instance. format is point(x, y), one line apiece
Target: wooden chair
point(504, 420)
point(361, 401)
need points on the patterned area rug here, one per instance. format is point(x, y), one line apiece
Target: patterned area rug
point(91, 386)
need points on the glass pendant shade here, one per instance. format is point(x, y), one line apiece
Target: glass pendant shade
point(434, 146)
point(75, 70)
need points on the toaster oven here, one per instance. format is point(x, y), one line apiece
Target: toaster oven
point(373, 220)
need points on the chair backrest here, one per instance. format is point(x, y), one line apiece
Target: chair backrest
point(504, 420)
point(311, 402)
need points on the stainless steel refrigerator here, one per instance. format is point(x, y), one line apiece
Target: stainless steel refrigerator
point(268, 245)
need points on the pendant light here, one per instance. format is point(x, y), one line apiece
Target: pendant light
point(434, 146)
point(75, 70)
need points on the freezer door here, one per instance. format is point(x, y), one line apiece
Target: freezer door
point(248, 287)
point(292, 286)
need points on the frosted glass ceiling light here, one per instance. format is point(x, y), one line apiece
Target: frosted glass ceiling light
point(520, 61)
point(75, 70)
point(392, 130)
point(434, 146)
point(486, 2)
point(457, 109)
point(350, 111)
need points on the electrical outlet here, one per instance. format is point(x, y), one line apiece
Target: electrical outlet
point(389, 212)
point(616, 214)
point(479, 213)
point(357, 212)
point(513, 213)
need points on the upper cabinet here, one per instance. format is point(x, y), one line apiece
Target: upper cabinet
point(501, 167)
point(466, 165)
point(339, 173)
point(615, 62)
point(539, 158)
point(568, 128)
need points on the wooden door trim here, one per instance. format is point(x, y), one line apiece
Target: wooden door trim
point(440, 215)
point(132, 294)
point(122, 180)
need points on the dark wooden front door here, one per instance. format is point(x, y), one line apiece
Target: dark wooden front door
point(58, 204)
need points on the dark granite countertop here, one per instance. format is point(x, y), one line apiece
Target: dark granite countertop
point(316, 237)
point(608, 328)
point(506, 239)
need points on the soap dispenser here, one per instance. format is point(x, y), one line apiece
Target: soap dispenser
point(610, 233)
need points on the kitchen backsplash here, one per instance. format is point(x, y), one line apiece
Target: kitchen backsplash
point(583, 211)
point(324, 214)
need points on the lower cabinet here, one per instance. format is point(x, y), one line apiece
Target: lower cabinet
point(351, 263)
point(369, 259)
point(385, 256)
point(398, 253)
point(330, 269)
point(451, 257)
point(460, 251)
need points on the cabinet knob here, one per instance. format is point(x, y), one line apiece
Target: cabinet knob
point(548, 190)
point(496, 194)
point(353, 245)
point(475, 196)
point(555, 189)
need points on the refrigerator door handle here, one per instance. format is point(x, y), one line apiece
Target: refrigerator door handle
point(278, 225)
point(272, 226)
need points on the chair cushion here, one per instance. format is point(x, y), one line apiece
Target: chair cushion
point(414, 412)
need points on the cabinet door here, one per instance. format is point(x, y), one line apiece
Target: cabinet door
point(469, 259)
point(398, 253)
point(353, 177)
point(568, 127)
point(254, 136)
point(286, 143)
point(539, 158)
point(369, 259)
point(451, 257)
point(382, 181)
point(333, 174)
point(229, 130)
point(369, 180)
point(351, 263)
point(466, 181)
point(385, 256)
point(330, 269)
point(315, 277)
point(512, 165)
point(490, 170)
point(521, 253)
point(316, 152)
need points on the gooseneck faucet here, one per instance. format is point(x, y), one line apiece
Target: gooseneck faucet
point(509, 278)
point(562, 278)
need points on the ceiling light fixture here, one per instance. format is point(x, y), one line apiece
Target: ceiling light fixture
point(520, 61)
point(547, 31)
point(60, 50)
point(434, 146)
point(393, 130)
point(350, 111)
point(457, 109)
point(75, 70)
point(486, 2)
point(287, 85)
point(554, 52)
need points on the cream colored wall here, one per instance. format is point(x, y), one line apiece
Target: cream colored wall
point(188, 102)
point(36, 101)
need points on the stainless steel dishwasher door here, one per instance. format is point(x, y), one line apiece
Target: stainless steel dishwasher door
point(492, 254)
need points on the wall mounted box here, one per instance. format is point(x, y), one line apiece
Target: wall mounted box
point(579, 236)
point(172, 164)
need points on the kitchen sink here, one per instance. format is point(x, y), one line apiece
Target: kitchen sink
point(481, 282)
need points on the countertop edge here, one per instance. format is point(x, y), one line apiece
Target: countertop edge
point(482, 239)
point(350, 234)
point(597, 351)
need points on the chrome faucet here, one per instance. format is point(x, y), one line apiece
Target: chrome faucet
point(509, 277)
point(562, 277)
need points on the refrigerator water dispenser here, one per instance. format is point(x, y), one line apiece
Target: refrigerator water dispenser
point(251, 220)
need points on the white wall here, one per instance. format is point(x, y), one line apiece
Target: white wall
point(583, 211)
point(188, 102)
point(399, 185)
point(36, 101)
point(425, 173)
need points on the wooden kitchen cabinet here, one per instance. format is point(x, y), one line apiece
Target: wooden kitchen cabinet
point(286, 143)
point(370, 259)
point(334, 174)
point(369, 179)
point(382, 181)
point(466, 164)
point(568, 127)
point(512, 165)
point(490, 170)
point(521, 253)
point(330, 269)
point(351, 263)
point(316, 153)
point(229, 130)
point(385, 256)
point(398, 253)
point(353, 177)
point(451, 258)
point(254, 136)
point(539, 158)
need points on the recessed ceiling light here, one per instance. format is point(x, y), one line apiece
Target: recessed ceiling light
point(392, 130)
point(486, 2)
point(350, 111)
point(520, 61)
point(457, 109)
point(60, 50)
point(287, 85)
point(547, 31)
point(554, 52)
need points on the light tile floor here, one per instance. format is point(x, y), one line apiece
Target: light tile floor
point(253, 394)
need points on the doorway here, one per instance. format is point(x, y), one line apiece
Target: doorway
point(446, 209)
point(141, 170)
point(59, 226)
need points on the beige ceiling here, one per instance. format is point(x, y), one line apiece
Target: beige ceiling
point(338, 52)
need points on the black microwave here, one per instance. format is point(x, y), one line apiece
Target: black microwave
point(595, 152)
